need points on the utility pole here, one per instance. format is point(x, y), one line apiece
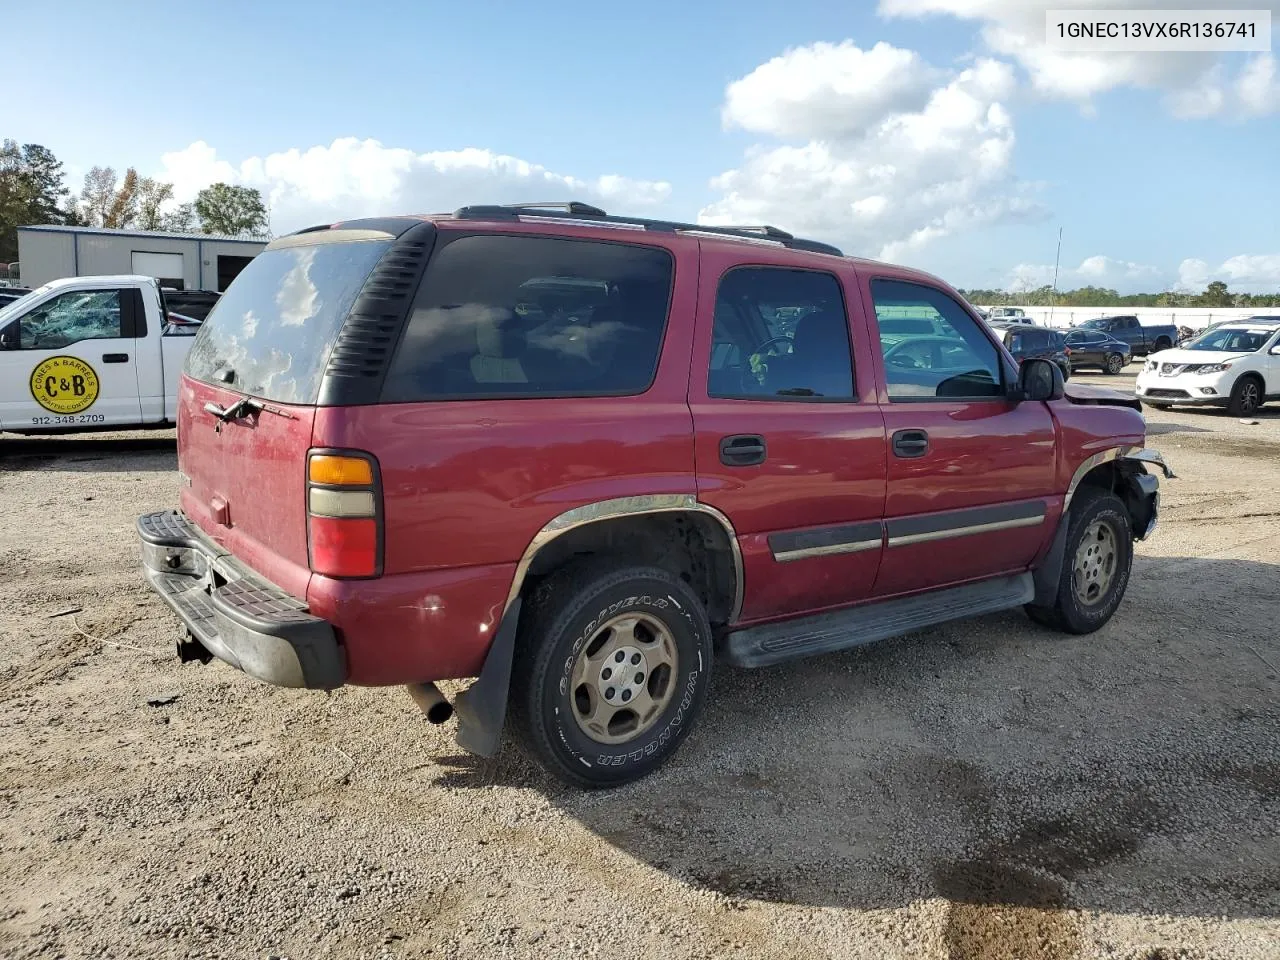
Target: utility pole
point(1053, 293)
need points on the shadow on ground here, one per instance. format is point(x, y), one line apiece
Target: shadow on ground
point(144, 454)
point(1015, 772)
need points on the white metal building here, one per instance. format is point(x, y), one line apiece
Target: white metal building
point(181, 261)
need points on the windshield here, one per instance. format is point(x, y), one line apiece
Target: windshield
point(270, 334)
point(1100, 324)
point(1230, 340)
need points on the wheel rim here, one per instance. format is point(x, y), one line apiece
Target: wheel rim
point(623, 678)
point(1248, 396)
point(1114, 364)
point(1095, 563)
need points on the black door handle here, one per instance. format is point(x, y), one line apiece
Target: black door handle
point(115, 358)
point(910, 443)
point(742, 450)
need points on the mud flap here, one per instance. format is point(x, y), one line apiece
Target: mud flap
point(482, 707)
point(1048, 575)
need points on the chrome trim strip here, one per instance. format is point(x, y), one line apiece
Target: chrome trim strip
point(910, 538)
point(317, 237)
point(628, 507)
point(1123, 452)
point(854, 546)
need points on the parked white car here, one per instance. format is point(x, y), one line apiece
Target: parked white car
point(1008, 315)
point(90, 353)
point(1236, 365)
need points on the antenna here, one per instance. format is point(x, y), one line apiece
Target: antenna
point(1054, 292)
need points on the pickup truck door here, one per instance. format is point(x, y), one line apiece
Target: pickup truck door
point(70, 361)
point(971, 474)
point(789, 441)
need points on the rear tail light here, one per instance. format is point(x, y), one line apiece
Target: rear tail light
point(344, 514)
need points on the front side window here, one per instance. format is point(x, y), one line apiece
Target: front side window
point(780, 335)
point(71, 317)
point(954, 359)
point(510, 316)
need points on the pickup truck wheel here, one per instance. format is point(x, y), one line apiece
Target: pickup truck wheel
point(1095, 565)
point(1162, 343)
point(1115, 363)
point(1246, 397)
point(611, 671)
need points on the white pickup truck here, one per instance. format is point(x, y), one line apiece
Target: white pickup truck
point(90, 353)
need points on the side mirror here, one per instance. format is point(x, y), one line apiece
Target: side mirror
point(1275, 351)
point(8, 339)
point(1040, 380)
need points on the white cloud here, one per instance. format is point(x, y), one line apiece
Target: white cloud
point(1244, 272)
point(1195, 83)
point(353, 178)
point(1096, 271)
point(828, 90)
point(889, 181)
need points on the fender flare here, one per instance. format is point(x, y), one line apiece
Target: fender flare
point(1140, 488)
point(482, 707)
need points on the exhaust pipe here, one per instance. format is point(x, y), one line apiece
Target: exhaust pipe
point(431, 701)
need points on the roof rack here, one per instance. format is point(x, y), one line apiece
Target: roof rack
point(574, 210)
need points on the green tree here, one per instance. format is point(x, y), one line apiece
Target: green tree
point(1215, 295)
point(182, 219)
point(231, 210)
point(98, 195)
point(152, 196)
point(31, 192)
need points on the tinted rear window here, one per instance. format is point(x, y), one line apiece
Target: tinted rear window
point(507, 316)
point(275, 325)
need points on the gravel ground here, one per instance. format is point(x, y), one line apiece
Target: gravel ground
point(984, 790)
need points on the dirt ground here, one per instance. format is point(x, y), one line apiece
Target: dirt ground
point(982, 791)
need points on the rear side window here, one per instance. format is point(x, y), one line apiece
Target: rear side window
point(508, 316)
point(270, 334)
point(955, 360)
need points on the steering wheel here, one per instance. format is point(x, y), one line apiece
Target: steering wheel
point(759, 350)
point(903, 361)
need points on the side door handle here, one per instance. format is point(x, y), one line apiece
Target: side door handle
point(115, 358)
point(910, 444)
point(742, 450)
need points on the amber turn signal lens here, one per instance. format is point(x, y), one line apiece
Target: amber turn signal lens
point(340, 471)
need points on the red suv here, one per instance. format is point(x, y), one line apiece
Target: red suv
point(578, 457)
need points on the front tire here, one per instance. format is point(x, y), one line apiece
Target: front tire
point(1246, 397)
point(611, 671)
point(1095, 565)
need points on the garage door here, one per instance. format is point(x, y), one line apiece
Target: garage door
point(165, 267)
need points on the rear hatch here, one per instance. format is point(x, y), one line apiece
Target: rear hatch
point(269, 339)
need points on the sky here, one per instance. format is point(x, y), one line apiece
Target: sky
point(937, 133)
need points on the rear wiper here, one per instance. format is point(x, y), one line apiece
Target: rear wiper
point(242, 407)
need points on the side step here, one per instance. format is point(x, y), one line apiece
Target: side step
point(828, 632)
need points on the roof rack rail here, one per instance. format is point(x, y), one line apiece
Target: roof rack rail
point(575, 210)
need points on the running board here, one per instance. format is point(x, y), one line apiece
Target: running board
point(854, 626)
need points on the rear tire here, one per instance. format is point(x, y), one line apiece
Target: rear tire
point(1095, 565)
point(1164, 343)
point(1246, 396)
point(567, 692)
point(1115, 363)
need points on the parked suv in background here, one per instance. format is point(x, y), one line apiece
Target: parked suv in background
point(581, 457)
point(1235, 365)
point(1026, 342)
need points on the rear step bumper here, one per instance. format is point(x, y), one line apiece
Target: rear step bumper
point(235, 614)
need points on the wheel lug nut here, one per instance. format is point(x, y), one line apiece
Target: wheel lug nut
point(639, 678)
point(608, 694)
point(635, 658)
point(620, 657)
point(626, 695)
point(606, 673)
